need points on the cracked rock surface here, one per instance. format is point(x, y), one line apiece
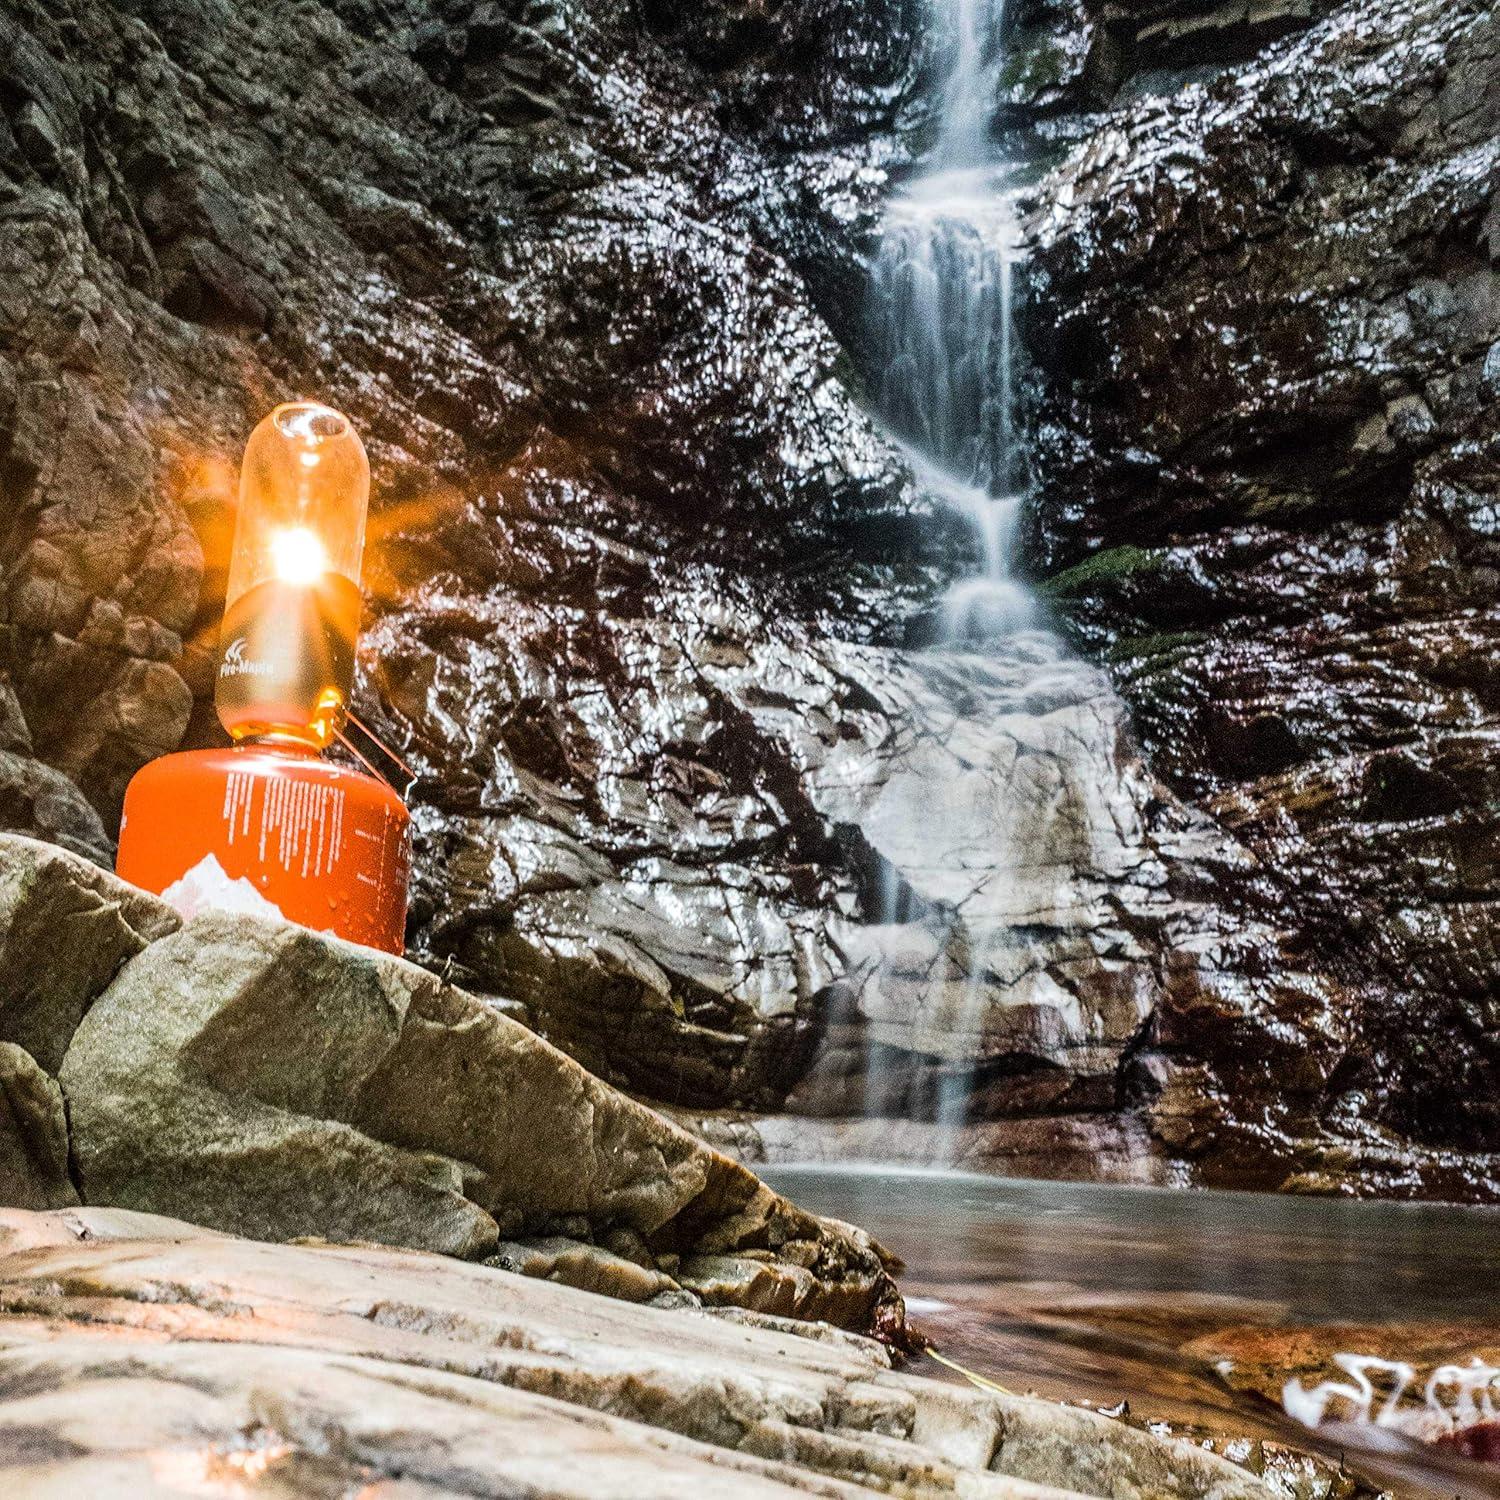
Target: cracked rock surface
point(140, 1356)
point(257, 1077)
point(1264, 303)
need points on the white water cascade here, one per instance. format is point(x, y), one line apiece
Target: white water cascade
point(1003, 801)
point(941, 299)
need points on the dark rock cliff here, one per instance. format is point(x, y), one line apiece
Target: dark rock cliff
point(558, 265)
point(589, 278)
point(1266, 318)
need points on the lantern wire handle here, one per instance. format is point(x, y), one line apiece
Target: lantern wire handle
point(355, 751)
point(385, 749)
point(382, 747)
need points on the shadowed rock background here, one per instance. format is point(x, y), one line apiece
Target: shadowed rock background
point(645, 575)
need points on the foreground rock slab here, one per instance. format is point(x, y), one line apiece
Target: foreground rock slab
point(141, 1356)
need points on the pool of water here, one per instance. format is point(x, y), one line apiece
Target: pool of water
point(1193, 1309)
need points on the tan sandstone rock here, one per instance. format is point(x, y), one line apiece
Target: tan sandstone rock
point(587, 1267)
point(33, 1134)
point(140, 1357)
point(66, 926)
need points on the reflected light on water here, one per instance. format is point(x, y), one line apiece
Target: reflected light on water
point(1377, 1392)
point(1210, 1316)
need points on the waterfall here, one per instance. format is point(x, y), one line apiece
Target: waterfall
point(941, 299)
point(967, 99)
point(953, 955)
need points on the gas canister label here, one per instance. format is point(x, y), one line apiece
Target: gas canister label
point(298, 825)
point(259, 833)
point(237, 664)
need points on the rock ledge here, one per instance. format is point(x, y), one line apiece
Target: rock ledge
point(143, 1357)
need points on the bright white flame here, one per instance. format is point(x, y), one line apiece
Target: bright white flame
point(299, 555)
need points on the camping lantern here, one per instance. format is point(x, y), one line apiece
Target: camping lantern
point(292, 611)
point(268, 825)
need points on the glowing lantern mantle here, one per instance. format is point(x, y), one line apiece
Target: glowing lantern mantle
point(267, 823)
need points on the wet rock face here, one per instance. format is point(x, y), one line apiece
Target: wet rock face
point(644, 569)
point(1265, 308)
point(564, 267)
point(642, 559)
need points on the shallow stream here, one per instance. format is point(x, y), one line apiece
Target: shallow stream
point(1195, 1309)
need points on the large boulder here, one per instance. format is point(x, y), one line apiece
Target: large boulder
point(66, 926)
point(257, 1077)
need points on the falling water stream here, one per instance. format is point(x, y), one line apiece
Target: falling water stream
point(941, 299)
point(941, 329)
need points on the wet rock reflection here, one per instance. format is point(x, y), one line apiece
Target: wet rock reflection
point(651, 577)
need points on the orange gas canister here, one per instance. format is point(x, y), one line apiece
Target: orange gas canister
point(257, 828)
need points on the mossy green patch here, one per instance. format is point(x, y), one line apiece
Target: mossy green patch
point(1035, 65)
point(1147, 648)
point(1283, 504)
point(1103, 571)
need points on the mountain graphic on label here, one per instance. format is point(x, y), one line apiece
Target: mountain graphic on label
point(209, 887)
